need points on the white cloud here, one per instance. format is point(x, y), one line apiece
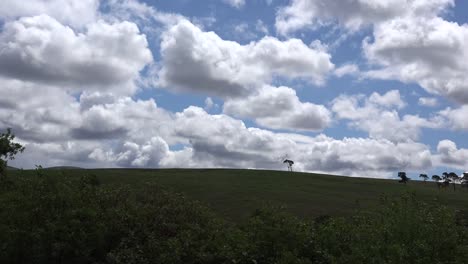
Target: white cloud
point(68, 12)
point(221, 141)
point(427, 51)
point(351, 14)
point(389, 99)
point(457, 118)
point(428, 101)
point(36, 112)
point(279, 108)
point(209, 104)
point(105, 56)
point(411, 42)
point(70, 73)
point(235, 3)
point(261, 27)
point(130, 154)
point(378, 116)
point(217, 141)
point(346, 69)
point(450, 155)
point(141, 13)
point(199, 61)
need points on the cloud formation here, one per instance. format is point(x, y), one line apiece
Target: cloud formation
point(41, 49)
point(353, 15)
point(202, 62)
point(378, 115)
point(279, 108)
point(78, 80)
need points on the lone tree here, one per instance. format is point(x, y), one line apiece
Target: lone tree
point(424, 176)
point(403, 177)
point(8, 150)
point(290, 163)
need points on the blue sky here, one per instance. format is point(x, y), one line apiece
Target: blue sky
point(360, 88)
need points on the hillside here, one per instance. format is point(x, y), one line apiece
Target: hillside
point(237, 193)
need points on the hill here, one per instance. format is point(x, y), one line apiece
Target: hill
point(63, 168)
point(235, 194)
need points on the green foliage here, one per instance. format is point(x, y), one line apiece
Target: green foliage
point(274, 236)
point(8, 150)
point(403, 177)
point(400, 231)
point(424, 176)
point(65, 219)
point(59, 218)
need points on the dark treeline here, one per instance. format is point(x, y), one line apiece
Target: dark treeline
point(65, 219)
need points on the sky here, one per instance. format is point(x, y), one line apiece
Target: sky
point(350, 87)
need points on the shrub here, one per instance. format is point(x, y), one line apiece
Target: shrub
point(400, 231)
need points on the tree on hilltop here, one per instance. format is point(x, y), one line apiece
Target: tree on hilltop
point(290, 163)
point(436, 178)
point(403, 177)
point(424, 176)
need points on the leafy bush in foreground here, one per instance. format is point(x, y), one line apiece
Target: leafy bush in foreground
point(400, 231)
point(64, 219)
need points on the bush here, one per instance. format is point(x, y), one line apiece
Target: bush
point(274, 236)
point(70, 220)
point(400, 231)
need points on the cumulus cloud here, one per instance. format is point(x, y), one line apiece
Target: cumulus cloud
point(456, 118)
point(378, 116)
point(450, 155)
point(41, 49)
point(411, 42)
point(279, 108)
point(198, 61)
point(223, 141)
point(351, 14)
point(36, 112)
point(227, 142)
point(70, 72)
point(430, 52)
point(130, 154)
point(69, 12)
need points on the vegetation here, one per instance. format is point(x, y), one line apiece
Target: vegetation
point(424, 177)
point(59, 218)
point(403, 177)
point(8, 150)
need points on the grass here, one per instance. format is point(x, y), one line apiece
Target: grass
point(235, 194)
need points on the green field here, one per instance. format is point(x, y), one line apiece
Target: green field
point(235, 194)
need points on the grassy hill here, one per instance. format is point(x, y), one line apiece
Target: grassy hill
point(235, 194)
